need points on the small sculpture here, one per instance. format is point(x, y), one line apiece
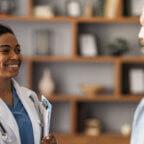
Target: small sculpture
point(46, 84)
point(126, 130)
point(118, 47)
point(93, 127)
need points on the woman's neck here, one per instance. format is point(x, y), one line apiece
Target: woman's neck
point(6, 90)
point(5, 85)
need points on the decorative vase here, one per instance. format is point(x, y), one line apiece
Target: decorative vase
point(73, 8)
point(46, 84)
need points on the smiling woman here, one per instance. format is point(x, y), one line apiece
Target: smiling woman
point(19, 118)
point(10, 56)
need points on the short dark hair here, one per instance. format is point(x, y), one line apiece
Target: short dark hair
point(5, 29)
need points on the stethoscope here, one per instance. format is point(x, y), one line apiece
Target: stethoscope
point(4, 135)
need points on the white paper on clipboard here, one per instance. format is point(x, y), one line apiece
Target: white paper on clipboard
point(46, 115)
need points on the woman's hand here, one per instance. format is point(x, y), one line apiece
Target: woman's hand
point(49, 140)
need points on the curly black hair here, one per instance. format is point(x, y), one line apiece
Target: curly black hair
point(5, 29)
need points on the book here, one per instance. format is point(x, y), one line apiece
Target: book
point(99, 7)
point(42, 40)
point(111, 8)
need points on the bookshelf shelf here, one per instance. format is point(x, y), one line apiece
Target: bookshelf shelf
point(104, 98)
point(97, 19)
point(51, 58)
point(108, 20)
point(34, 19)
point(104, 138)
point(133, 59)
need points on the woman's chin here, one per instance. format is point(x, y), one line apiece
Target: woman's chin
point(9, 75)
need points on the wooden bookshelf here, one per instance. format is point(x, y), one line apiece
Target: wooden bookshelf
point(36, 63)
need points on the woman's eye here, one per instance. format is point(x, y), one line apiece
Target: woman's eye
point(18, 50)
point(5, 51)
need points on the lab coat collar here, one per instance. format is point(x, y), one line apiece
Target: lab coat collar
point(24, 94)
point(8, 120)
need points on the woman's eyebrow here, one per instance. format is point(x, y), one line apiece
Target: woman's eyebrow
point(8, 46)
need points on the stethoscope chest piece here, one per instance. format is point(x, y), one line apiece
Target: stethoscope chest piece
point(4, 137)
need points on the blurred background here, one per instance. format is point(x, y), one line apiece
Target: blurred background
point(84, 56)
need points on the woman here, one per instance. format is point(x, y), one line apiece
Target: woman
point(137, 136)
point(19, 118)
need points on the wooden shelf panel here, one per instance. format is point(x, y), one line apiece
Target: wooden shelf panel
point(101, 139)
point(51, 58)
point(72, 20)
point(109, 99)
point(108, 20)
point(132, 97)
point(34, 19)
point(96, 59)
point(61, 98)
point(73, 59)
point(132, 59)
point(70, 98)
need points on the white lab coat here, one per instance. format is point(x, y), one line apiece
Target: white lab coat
point(137, 136)
point(9, 122)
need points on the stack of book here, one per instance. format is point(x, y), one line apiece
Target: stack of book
point(107, 8)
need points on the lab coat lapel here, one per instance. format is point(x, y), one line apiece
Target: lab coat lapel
point(8, 118)
point(24, 94)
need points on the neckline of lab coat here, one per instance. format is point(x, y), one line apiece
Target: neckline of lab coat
point(23, 94)
point(9, 119)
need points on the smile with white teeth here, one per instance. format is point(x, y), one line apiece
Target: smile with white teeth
point(13, 66)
